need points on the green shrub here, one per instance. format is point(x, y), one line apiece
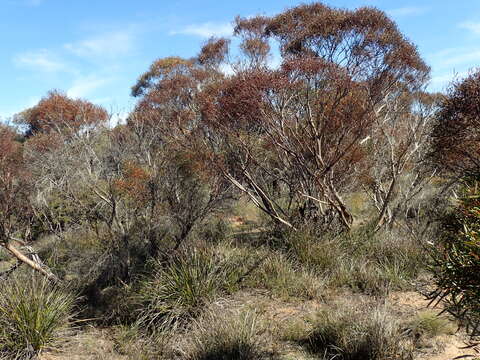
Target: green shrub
point(320, 255)
point(33, 315)
point(456, 268)
point(228, 336)
point(351, 334)
point(178, 290)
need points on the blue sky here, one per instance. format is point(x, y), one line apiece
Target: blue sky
point(96, 49)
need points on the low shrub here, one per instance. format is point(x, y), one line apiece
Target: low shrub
point(134, 343)
point(365, 261)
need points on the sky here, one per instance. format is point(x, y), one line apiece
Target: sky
point(96, 50)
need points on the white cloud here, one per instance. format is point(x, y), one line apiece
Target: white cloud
point(86, 85)
point(105, 45)
point(407, 11)
point(206, 30)
point(41, 60)
point(455, 57)
point(472, 26)
point(442, 81)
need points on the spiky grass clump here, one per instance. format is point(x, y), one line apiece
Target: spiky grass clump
point(177, 291)
point(351, 334)
point(229, 336)
point(33, 316)
point(429, 323)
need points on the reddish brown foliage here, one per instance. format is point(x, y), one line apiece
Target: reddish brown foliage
point(213, 52)
point(133, 182)
point(58, 113)
point(456, 136)
point(365, 42)
point(14, 185)
point(301, 125)
point(255, 44)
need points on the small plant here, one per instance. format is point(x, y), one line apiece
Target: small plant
point(177, 291)
point(430, 324)
point(33, 316)
point(227, 337)
point(351, 334)
point(295, 330)
point(3, 255)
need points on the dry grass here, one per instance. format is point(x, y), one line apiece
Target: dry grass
point(285, 279)
point(226, 335)
point(430, 324)
point(349, 333)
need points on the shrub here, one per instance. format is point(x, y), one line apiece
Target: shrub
point(178, 290)
point(226, 337)
point(33, 315)
point(456, 268)
point(351, 334)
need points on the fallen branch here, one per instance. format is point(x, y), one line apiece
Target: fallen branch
point(34, 265)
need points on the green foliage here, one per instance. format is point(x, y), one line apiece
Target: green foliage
point(457, 258)
point(214, 232)
point(33, 316)
point(177, 291)
point(4, 255)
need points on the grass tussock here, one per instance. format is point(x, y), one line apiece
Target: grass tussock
point(221, 335)
point(347, 333)
point(177, 291)
point(33, 316)
point(371, 263)
point(132, 342)
point(430, 324)
point(286, 279)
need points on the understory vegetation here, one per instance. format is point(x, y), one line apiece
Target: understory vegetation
point(258, 213)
